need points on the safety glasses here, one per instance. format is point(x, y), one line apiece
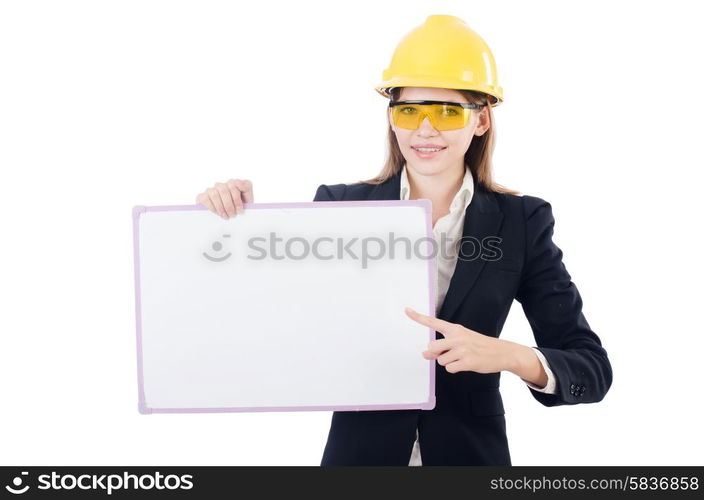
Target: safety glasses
point(443, 115)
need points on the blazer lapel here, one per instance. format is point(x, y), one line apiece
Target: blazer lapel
point(482, 218)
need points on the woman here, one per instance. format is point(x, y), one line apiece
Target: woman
point(442, 85)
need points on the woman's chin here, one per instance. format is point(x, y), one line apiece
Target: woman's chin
point(427, 167)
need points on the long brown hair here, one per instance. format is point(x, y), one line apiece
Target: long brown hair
point(477, 158)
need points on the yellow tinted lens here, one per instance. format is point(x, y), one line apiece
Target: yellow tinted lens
point(407, 115)
point(442, 116)
point(448, 117)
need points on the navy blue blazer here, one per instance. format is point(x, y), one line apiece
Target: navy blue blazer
point(467, 425)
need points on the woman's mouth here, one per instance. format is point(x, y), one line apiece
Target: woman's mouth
point(427, 152)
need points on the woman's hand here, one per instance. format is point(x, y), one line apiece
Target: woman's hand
point(463, 349)
point(227, 199)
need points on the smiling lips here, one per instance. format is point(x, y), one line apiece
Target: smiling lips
point(427, 150)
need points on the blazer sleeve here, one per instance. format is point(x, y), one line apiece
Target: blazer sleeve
point(333, 192)
point(323, 194)
point(553, 307)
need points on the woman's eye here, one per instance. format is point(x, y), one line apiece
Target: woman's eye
point(408, 110)
point(450, 112)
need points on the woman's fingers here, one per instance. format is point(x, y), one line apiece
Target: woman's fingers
point(439, 346)
point(448, 357)
point(204, 199)
point(246, 189)
point(227, 199)
point(235, 195)
point(215, 198)
point(439, 325)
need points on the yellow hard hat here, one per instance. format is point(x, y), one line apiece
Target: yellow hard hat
point(444, 53)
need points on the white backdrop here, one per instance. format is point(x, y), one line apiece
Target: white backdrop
point(105, 105)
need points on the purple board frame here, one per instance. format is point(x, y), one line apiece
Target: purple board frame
point(137, 210)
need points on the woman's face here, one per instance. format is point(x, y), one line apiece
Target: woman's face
point(455, 142)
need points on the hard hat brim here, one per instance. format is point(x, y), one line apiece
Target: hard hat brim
point(495, 92)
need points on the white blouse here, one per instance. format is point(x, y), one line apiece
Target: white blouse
point(452, 225)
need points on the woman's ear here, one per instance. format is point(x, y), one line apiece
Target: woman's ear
point(483, 122)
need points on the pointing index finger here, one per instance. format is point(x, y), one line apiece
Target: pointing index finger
point(437, 324)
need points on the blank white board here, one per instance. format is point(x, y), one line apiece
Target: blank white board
point(288, 307)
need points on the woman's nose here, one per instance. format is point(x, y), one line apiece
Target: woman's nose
point(426, 128)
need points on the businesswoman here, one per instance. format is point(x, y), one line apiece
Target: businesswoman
point(441, 86)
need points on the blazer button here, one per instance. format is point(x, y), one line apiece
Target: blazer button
point(572, 387)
